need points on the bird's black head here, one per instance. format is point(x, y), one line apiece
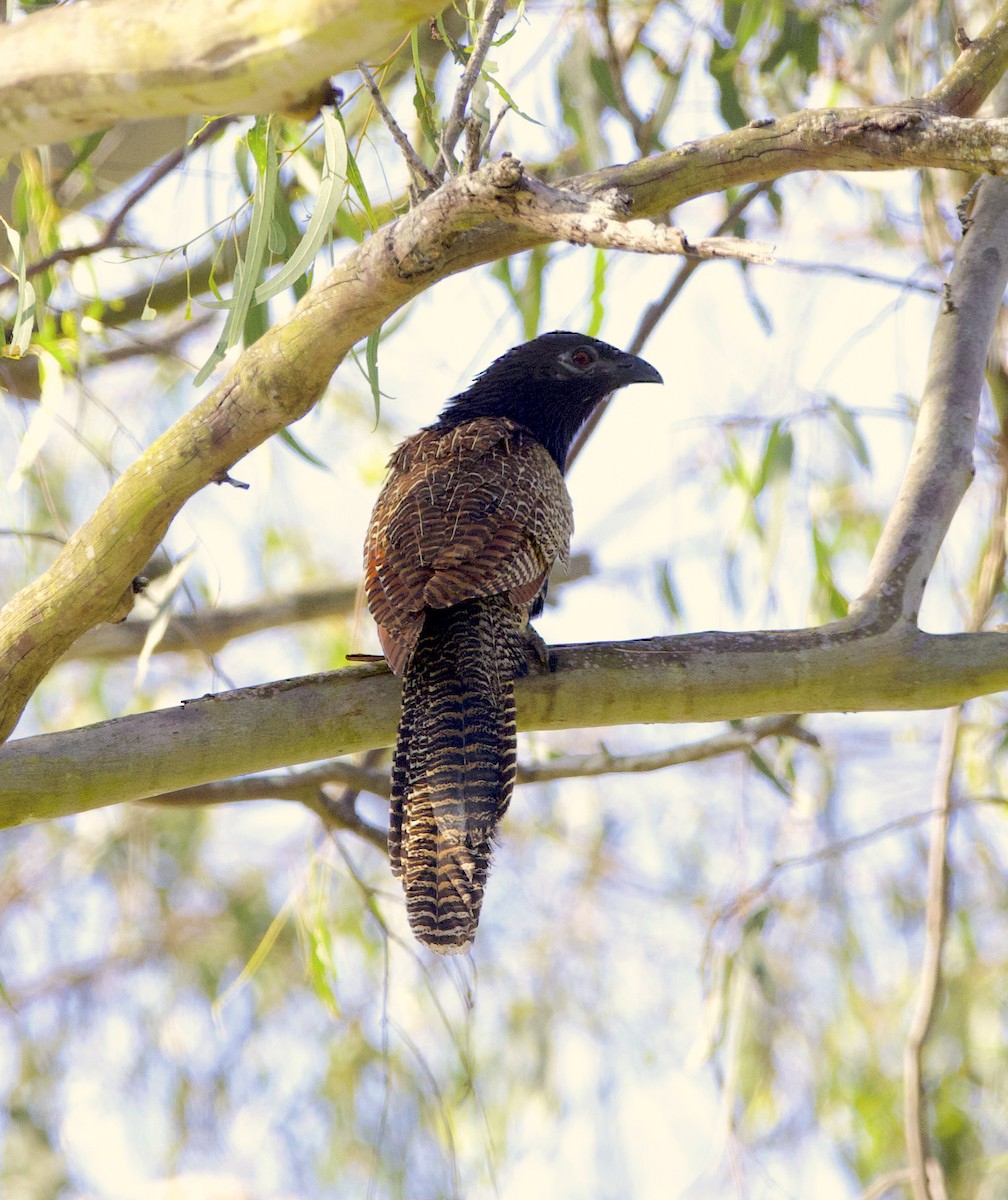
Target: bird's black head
point(550, 385)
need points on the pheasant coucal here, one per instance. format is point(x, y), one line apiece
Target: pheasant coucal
point(471, 518)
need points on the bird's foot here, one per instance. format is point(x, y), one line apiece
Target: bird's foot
point(538, 656)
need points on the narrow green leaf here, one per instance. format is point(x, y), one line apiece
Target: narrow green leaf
point(667, 590)
point(848, 423)
point(422, 97)
point(597, 292)
point(258, 138)
point(371, 358)
point(24, 313)
point(248, 269)
point(301, 450)
point(768, 773)
point(509, 101)
point(778, 456)
point(330, 194)
point(277, 242)
point(602, 75)
point(457, 52)
point(355, 178)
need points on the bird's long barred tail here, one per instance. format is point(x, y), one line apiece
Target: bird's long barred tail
point(454, 766)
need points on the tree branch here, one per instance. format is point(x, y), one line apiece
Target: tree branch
point(303, 787)
point(936, 917)
point(698, 677)
point(976, 72)
point(940, 468)
point(295, 785)
point(208, 630)
point(492, 15)
point(74, 69)
point(423, 180)
point(282, 374)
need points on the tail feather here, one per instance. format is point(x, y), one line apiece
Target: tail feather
point(454, 765)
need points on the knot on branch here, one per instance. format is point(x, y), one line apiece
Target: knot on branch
point(507, 172)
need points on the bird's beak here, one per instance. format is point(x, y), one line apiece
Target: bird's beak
point(631, 369)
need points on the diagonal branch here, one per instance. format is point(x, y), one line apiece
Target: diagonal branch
point(976, 72)
point(423, 180)
point(941, 458)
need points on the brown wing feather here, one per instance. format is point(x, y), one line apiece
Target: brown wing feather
point(478, 510)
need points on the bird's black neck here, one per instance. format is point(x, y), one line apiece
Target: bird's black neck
point(552, 416)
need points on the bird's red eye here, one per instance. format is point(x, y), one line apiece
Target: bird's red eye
point(582, 358)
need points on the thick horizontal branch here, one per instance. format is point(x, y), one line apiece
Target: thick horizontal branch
point(77, 68)
point(844, 667)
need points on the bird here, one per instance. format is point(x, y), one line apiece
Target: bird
point(471, 518)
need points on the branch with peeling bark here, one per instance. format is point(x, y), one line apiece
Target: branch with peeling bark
point(507, 193)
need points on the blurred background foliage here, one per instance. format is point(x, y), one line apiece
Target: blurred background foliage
point(689, 982)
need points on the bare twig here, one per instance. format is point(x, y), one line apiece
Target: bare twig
point(926, 1178)
point(304, 787)
point(617, 64)
point(884, 1184)
point(936, 917)
point(492, 15)
point(731, 742)
point(423, 180)
point(976, 72)
point(654, 313)
point(208, 631)
point(33, 533)
point(595, 226)
point(341, 809)
point(743, 901)
point(506, 192)
point(901, 1179)
point(859, 273)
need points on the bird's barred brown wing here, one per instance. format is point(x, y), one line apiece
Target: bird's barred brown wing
point(477, 510)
